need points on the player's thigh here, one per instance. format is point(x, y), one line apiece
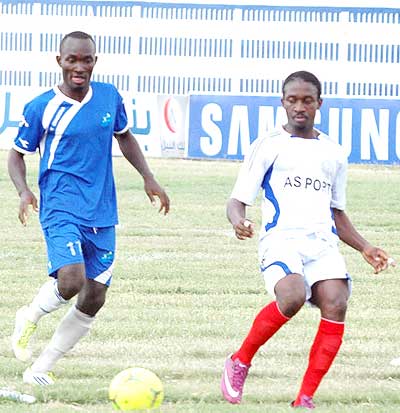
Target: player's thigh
point(333, 292)
point(331, 297)
point(99, 252)
point(278, 264)
point(64, 246)
point(329, 265)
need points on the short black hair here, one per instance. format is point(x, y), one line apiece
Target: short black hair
point(77, 35)
point(306, 77)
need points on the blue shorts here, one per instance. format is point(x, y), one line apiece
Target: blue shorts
point(69, 243)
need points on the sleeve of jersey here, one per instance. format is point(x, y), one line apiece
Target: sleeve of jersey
point(30, 131)
point(252, 171)
point(339, 185)
point(122, 120)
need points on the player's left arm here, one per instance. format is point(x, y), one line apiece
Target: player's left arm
point(375, 256)
point(132, 152)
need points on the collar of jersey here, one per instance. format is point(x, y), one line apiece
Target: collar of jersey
point(87, 97)
point(300, 137)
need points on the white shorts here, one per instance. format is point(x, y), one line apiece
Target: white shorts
point(313, 257)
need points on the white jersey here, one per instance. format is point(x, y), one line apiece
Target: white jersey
point(301, 181)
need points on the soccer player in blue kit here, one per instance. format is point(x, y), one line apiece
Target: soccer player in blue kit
point(73, 126)
point(302, 174)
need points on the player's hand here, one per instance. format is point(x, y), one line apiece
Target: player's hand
point(378, 258)
point(244, 229)
point(152, 189)
point(26, 198)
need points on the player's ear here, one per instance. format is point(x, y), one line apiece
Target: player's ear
point(58, 58)
point(320, 102)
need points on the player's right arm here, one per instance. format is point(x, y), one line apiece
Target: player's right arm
point(236, 213)
point(247, 186)
point(17, 172)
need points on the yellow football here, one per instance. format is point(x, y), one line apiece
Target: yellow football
point(136, 388)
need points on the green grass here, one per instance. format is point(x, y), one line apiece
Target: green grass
point(185, 292)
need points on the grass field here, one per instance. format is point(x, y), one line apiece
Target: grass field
point(185, 292)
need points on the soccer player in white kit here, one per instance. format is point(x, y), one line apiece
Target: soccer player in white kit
point(302, 175)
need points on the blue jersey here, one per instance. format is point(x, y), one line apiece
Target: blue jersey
point(75, 143)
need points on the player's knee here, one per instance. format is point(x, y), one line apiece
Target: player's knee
point(291, 303)
point(91, 305)
point(290, 294)
point(71, 280)
point(69, 288)
point(69, 291)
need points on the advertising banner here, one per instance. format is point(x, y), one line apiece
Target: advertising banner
point(11, 107)
point(172, 121)
point(223, 127)
point(145, 123)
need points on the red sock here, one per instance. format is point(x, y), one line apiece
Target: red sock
point(323, 351)
point(268, 321)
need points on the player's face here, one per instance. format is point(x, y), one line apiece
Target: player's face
point(77, 60)
point(301, 102)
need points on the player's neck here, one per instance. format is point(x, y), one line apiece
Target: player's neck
point(301, 133)
point(77, 95)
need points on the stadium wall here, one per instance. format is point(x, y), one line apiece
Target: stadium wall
point(204, 80)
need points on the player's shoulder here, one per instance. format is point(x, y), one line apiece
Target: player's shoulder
point(105, 91)
point(327, 140)
point(103, 87)
point(268, 145)
point(42, 98)
point(39, 102)
point(272, 138)
point(333, 146)
point(275, 134)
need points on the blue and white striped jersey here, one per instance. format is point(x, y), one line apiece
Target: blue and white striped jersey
point(301, 181)
point(75, 143)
